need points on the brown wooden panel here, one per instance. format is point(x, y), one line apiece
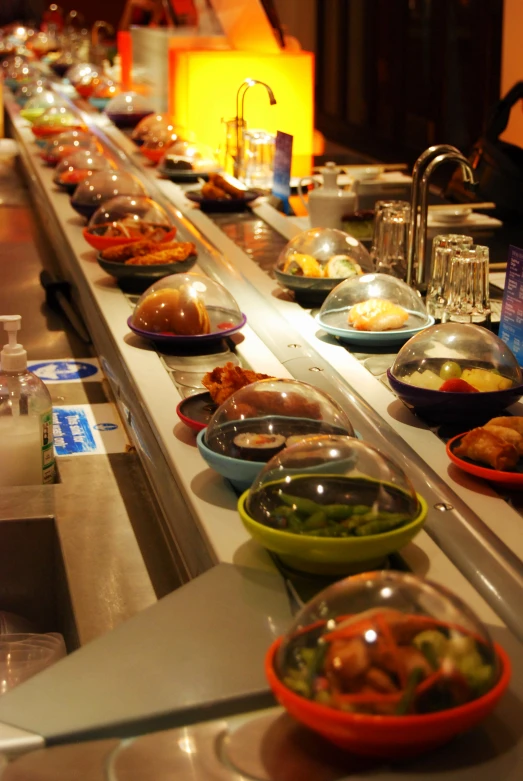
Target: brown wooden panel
point(405, 74)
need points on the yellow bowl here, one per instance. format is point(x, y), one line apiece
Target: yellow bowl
point(331, 555)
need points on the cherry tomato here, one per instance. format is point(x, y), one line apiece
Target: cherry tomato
point(455, 385)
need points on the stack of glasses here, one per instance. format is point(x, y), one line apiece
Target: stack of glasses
point(458, 291)
point(26, 654)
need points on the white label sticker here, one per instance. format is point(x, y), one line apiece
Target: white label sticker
point(81, 429)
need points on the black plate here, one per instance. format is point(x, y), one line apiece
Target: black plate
point(182, 176)
point(140, 277)
point(217, 205)
point(310, 291)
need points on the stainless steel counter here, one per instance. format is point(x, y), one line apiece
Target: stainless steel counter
point(75, 566)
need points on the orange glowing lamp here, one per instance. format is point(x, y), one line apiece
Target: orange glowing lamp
point(203, 87)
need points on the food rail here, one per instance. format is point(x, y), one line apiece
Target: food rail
point(472, 543)
point(482, 541)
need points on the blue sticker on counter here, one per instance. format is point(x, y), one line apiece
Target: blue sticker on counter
point(511, 321)
point(81, 429)
point(282, 169)
point(72, 432)
point(67, 370)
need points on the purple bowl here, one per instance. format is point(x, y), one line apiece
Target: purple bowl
point(60, 68)
point(164, 338)
point(445, 407)
point(127, 120)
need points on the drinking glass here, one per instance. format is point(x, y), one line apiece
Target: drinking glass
point(234, 130)
point(467, 290)
point(442, 249)
point(25, 654)
point(391, 231)
point(258, 158)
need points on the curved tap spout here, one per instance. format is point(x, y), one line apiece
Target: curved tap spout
point(468, 176)
point(417, 172)
point(95, 32)
point(240, 114)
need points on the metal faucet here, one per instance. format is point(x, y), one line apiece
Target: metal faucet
point(95, 31)
point(240, 121)
point(423, 169)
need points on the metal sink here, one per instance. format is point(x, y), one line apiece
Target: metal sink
point(33, 583)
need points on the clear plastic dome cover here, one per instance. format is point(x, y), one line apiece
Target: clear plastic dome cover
point(131, 216)
point(21, 72)
point(186, 305)
point(261, 419)
point(373, 302)
point(102, 186)
point(387, 644)
point(324, 253)
point(66, 144)
point(457, 351)
point(152, 123)
point(155, 145)
point(335, 485)
point(26, 92)
point(13, 59)
point(190, 156)
point(76, 167)
point(104, 89)
point(128, 108)
point(77, 72)
point(64, 62)
point(41, 42)
point(40, 102)
point(56, 119)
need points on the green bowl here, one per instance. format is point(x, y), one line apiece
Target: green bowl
point(32, 114)
point(331, 555)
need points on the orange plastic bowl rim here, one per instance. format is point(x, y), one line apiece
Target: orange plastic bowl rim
point(104, 242)
point(387, 736)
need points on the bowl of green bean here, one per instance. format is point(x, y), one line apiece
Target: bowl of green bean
point(332, 505)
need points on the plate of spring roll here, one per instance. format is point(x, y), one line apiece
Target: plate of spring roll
point(493, 451)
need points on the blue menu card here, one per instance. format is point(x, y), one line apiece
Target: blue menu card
point(281, 187)
point(511, 323)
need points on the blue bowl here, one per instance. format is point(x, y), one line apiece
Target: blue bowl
point(241, 473)
point(99, 103)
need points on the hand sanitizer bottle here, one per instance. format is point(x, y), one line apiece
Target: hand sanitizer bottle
point(26, 417)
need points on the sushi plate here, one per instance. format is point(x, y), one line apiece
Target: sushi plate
point(224, 328)
point(220, 205)
point(182, 176)
point(513, 479)
point(335, 323)
point(196, 411)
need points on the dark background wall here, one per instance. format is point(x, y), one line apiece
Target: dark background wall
point(93, 10)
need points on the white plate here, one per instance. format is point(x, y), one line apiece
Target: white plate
point(335, 323)
point(457, 216)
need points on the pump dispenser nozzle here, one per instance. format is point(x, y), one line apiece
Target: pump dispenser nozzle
point(13, 357)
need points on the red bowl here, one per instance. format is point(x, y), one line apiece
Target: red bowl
point(47, 132)
point(103, 242)
point(85, 90)
point(154, 155)
point(513, 479)
point(390, 737)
